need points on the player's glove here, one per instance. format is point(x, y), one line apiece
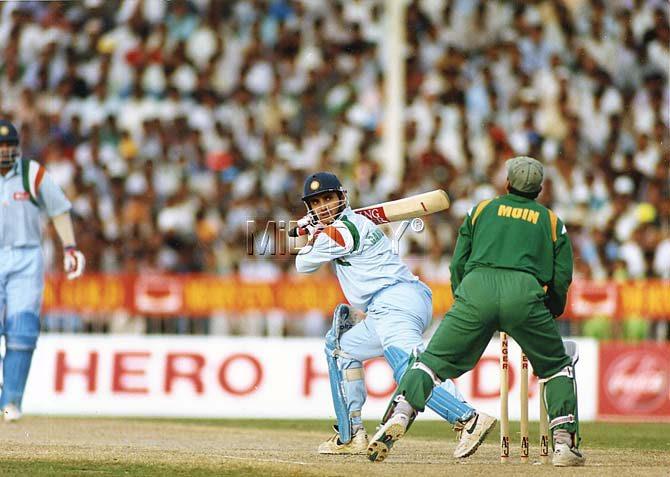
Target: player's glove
point(74, 262)
point(306, 226)
point(310, 227)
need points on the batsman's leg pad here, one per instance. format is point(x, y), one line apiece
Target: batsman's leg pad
point(347, 384)
point(15, 366)
point(21, 331)
point(344, 319)
point(347, 387)
point(398, 360)
point(445, 400)
point(448, 406)
point(354, 390)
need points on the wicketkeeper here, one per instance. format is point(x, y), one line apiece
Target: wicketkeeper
point(398, 309)
point(26, 189)
point(509, 251)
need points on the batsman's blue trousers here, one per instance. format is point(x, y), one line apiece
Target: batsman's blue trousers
point(394, 325)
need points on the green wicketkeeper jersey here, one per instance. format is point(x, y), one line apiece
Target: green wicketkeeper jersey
point(516, 233)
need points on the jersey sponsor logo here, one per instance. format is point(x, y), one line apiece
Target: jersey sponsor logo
point(520, 213)
point(21, 195)
point(375, 236)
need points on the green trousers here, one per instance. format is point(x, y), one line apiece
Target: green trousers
point(486, 301)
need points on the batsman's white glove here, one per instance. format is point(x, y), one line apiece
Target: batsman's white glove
point(306, 226)
point(301, 228)
point(313, 228)
point(74, 263)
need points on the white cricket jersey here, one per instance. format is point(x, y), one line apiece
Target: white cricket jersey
point(363, 258)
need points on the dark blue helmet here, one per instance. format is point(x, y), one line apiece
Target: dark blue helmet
point(9, 136)
point(319, 183)
point(8, 133)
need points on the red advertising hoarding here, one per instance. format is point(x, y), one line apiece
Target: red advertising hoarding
point(634, 381)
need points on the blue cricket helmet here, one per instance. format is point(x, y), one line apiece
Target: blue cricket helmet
point(9, 136)
point(8, 133)
point(319, 183)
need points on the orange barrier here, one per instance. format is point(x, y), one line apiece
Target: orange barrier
point(203, 295)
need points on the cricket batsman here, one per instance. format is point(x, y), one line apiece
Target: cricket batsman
point(509, 251)
point(398, 309)
point(27, 189)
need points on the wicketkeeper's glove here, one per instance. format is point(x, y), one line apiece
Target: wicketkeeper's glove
point(74, 262)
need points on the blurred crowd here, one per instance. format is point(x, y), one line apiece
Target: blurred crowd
point(171, 124)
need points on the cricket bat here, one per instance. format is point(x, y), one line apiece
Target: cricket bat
point(395, 210)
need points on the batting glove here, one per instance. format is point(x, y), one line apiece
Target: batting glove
point(313, 229)
point(74, 263)
point(306, 226)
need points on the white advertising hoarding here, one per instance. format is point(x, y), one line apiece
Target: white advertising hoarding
point(116, 375)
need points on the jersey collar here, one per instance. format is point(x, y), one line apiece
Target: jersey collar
point(346, 211)
point(518, 198)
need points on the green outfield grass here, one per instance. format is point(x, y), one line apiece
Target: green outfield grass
point(601, 435)
point(46, 446)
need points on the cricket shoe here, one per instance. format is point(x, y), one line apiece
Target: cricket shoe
point(11, 413)
point(565, 452)
point(357, 445)
point(472, 433)
point(386, 436)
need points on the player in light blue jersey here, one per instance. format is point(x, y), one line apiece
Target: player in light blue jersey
point(25, 190)
point(397, 309)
